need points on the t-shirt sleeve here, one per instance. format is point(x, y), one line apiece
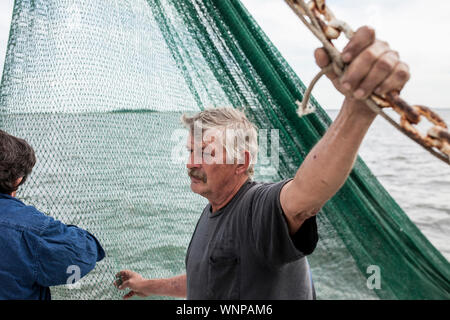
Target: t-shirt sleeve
point(64, 251)
point(270, 230)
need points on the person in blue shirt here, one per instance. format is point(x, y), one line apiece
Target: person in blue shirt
point(36, 251)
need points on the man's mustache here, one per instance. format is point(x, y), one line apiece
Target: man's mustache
point(197, 174)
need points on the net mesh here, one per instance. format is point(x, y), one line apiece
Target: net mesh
point(98, 89)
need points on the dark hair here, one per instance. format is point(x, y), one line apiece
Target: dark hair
point(17, 159)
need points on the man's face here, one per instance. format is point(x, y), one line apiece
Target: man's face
point(207, 167)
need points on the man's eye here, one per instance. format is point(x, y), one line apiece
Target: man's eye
point(209, 154)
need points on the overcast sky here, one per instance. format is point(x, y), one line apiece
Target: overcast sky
point(418, 29)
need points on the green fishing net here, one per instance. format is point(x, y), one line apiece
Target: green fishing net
point(98, 89)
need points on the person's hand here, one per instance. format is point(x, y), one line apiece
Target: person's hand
point(372, 67)
point(132, 280)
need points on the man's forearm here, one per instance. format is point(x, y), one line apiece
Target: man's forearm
point(173, 287)
point(329, 163)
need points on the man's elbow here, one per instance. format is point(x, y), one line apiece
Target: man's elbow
point(303, 210)
point(297, 218)
point(88, 258)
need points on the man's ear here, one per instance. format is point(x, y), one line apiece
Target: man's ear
point(242, 167)
point(16, 183)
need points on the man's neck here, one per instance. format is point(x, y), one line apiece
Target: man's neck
point(227, 195)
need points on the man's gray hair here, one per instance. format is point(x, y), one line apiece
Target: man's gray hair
point(237, 132)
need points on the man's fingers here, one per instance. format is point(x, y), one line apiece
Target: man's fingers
point(362, 38)
point(396, 80)
point(380, 70)
point(124, 285)
point(121, 276)
point(124, 274)
point(129, 294)
point(323, 60)
point(372, 65)
point(359, 68)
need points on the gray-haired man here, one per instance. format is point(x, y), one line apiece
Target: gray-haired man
point(252, 239)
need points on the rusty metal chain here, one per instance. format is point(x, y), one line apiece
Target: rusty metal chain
point(321, 21)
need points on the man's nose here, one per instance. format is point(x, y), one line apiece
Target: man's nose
point(192, 162)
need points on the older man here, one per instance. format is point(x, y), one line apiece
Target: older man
point(252, 238)
point(37, 251)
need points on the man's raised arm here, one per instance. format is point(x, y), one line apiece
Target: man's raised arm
point(373, 67)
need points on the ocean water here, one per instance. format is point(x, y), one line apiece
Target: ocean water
point(419, 182)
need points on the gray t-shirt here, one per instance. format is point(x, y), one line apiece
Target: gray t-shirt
point(244, 250)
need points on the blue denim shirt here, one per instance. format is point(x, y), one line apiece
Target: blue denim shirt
point(37, 250)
